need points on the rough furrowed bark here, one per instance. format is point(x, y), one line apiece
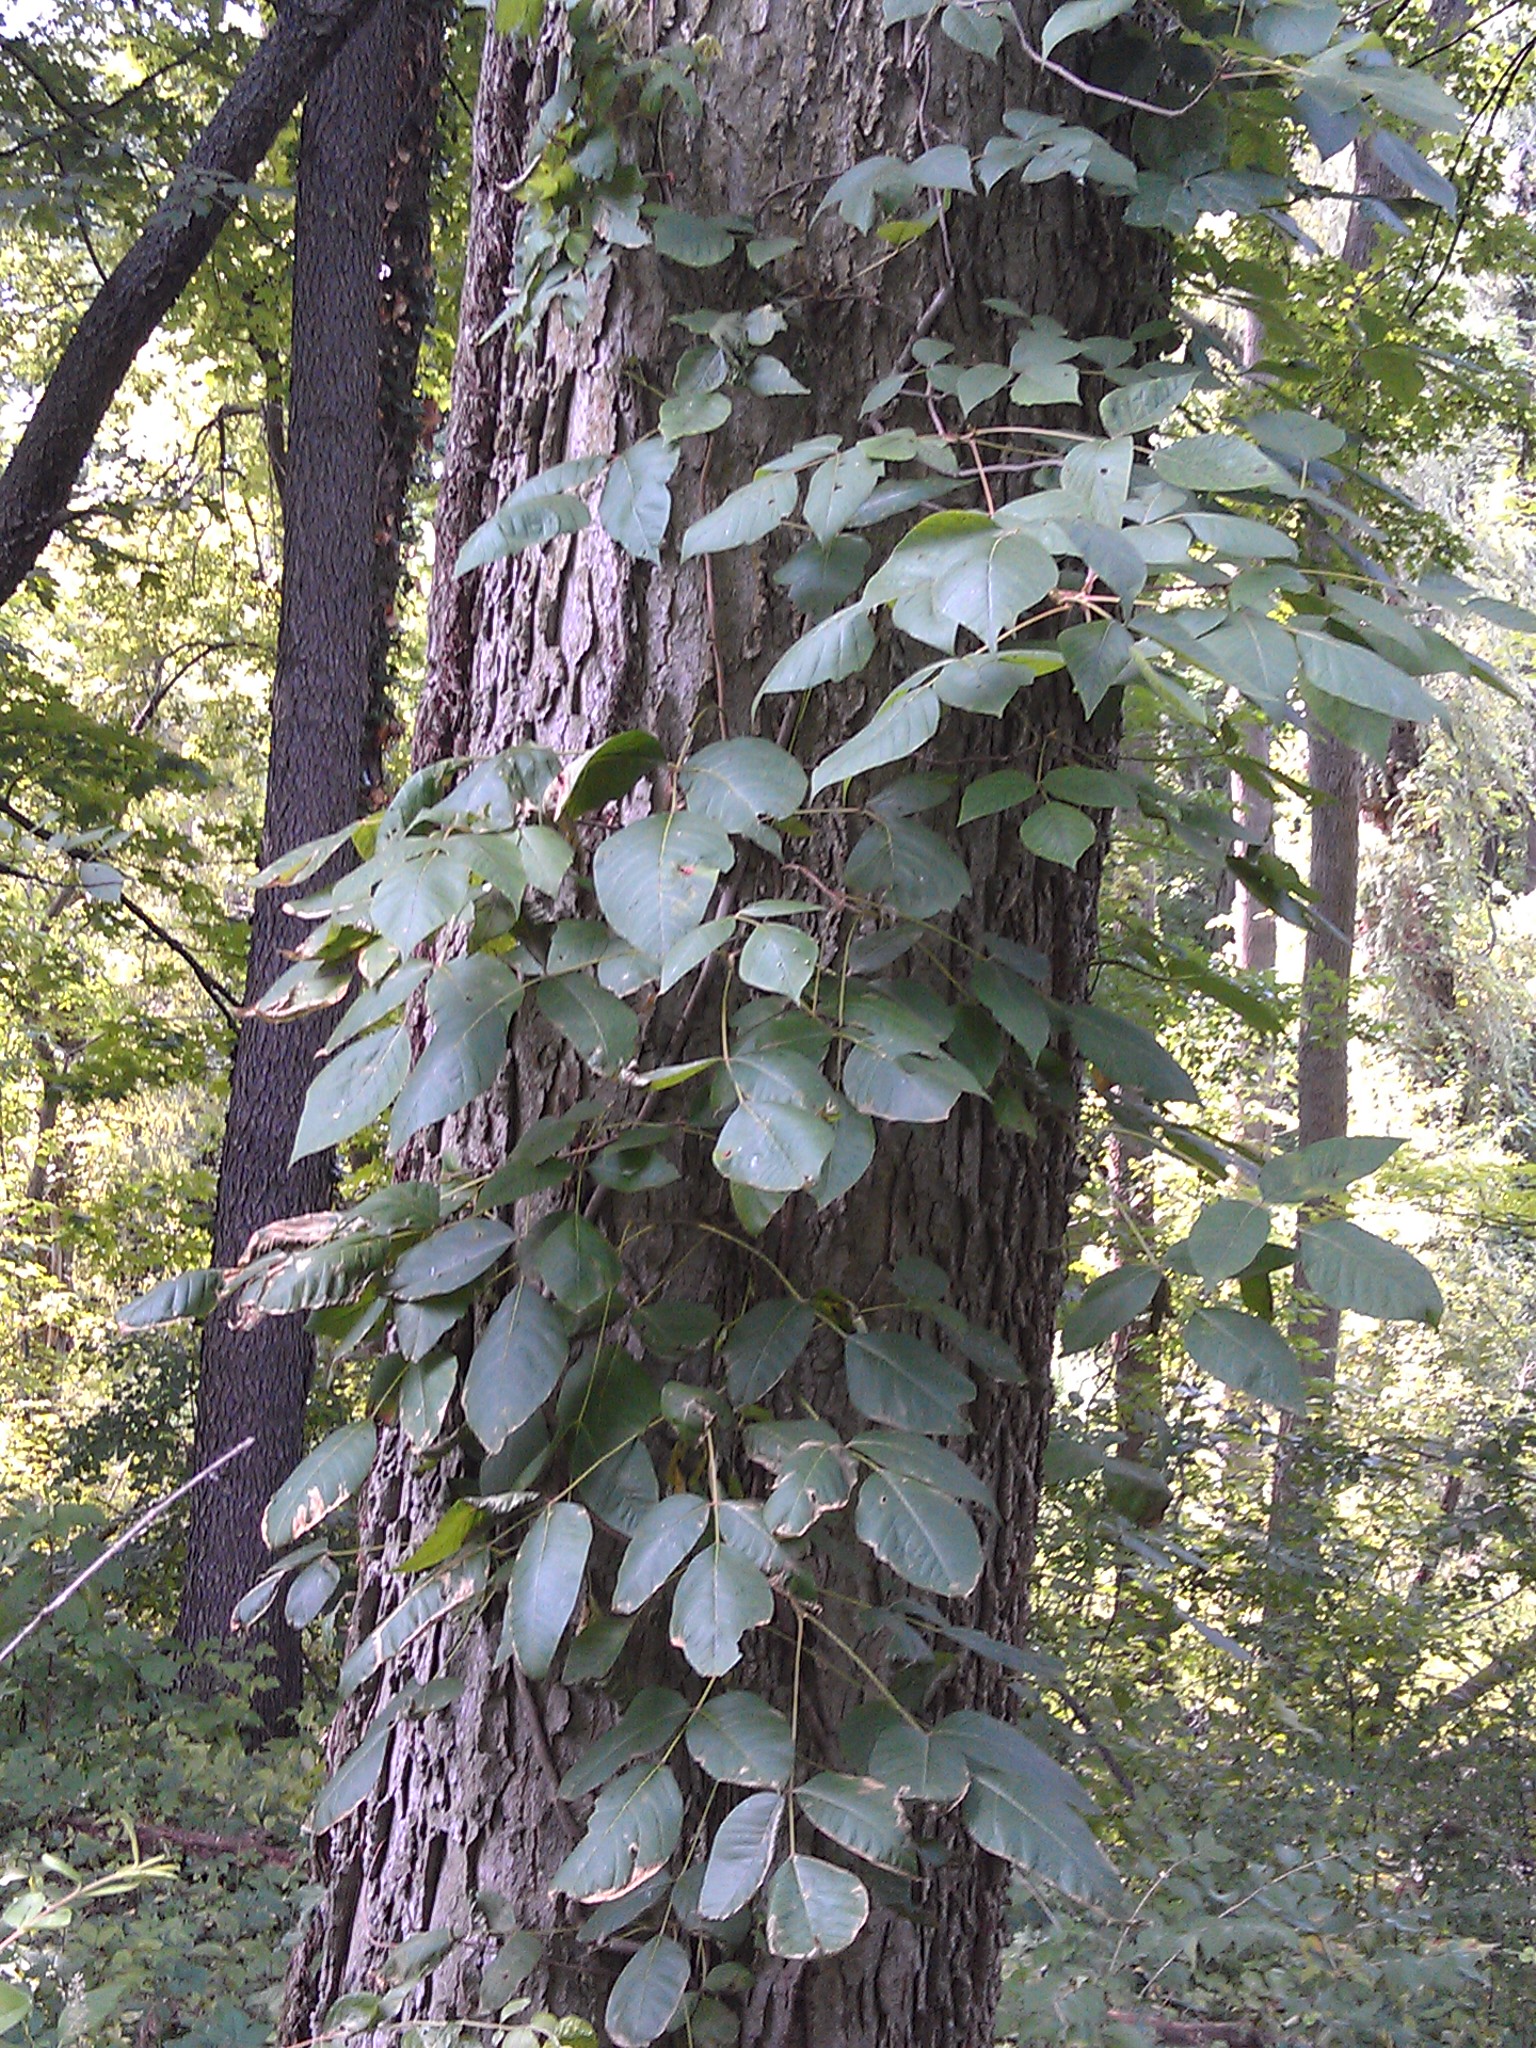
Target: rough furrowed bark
point(35, 488)
point(368, 137)
point(568, 645)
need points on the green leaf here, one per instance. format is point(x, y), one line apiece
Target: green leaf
point(902, 1380)
point(545, 1586)
point(1077, 18)
point(700, 244)
point(741, 1855)
point(763, 1346)
point(996, 792)
point(352, 1090)
point(425, 1391)
point(1220, 462)
point(719, 1597)
point(516, 1366)
point(993, 579)
point(449, 1259)
point(693, 412)
point(664, 1536)
point(351, 1781)
point(332, 1473)
point(838, 491)
point(747, 515)
point(918, 1457)
point(906, 721)
point(1246, 1353)
point(575, 1261)
point(604, 774)
point(1360, 676)
point(457, 1522)
point(779, 958)
point(1350, 1268)
point(650, 1722)
point(1138, 407)
point(1323, 1169)
point(1108, 1304)
point(739, 782)
point(15, 2006)
point(1022, 1822)
point(922, 1764)
point(1129, 1056)
point(914, 1088)
point(1018, 1007)
point(1058, 833)
point(420, 1610)
point(655, 878)
point(772, 1144)
point(909, 868)
point(633, 1830)
point(636, 505)
point(920, 1533)
point(472, 1001)
point(814, 1478)
point(184, 1294)
point(830, 652)
point(814, 1908)
point(521, 521)
point(740, 1740)
point(693, 949)
point(858, 1814)
point(648, 1991)
point(1225, 1237)
point(604, 1030)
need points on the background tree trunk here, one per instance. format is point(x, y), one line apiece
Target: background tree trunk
point(574, 642)
point(361, 294)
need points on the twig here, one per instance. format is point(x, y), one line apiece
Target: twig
point(544, 1753)
point(129, 1537)
point(198, 1841)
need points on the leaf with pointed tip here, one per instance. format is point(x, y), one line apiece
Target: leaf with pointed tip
point(740, 1740)
point(747, 515)
point(184, 1294)
point(331, 1474)
point(833, 650)
point(860, 1814)
point(1351, 1268)
point(902, 1380)
point(814, 1908)
point(1246, 1353)
point(545, 1586)
point(449, 1259)
point(921, 1763)
point(633, 1830)
point(647, 1993)
point(1108, 1304)
point(516, 1366)
point(650, 1722)
point(472, 1001)
point(816, 1477)
point(763, 1345)
point(654, 879)
point(636, 504)
point(603, 1029)
point(741, 1855)
point(919, 1532)
point(1326, 1168)
point(352, 1089)
point(1226, 1236)
point(664, 1537)
point(719, 1597)
point(420, 1610)
point(1020, 1821)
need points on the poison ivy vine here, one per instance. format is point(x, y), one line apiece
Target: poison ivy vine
point(1162, 554)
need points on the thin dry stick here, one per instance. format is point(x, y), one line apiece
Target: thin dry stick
point(129, 1537)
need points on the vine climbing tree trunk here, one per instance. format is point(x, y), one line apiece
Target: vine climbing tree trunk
point(361, 295)
point(570, 644)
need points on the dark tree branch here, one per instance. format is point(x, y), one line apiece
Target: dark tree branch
point(34, 491)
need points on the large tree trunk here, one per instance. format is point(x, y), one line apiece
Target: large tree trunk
point(573, 643)
point(361, 293)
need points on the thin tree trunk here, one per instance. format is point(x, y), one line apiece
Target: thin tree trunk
point(365, 155)
point(34, 491)
point(575, 642)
